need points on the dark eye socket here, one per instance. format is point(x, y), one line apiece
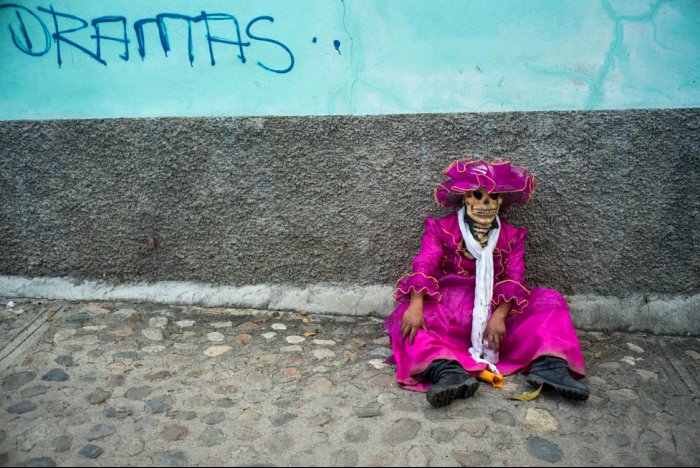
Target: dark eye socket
point(478, 195)
point(493, 196)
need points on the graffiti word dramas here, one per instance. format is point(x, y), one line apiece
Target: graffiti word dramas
point(34, 33)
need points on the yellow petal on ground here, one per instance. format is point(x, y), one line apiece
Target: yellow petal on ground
point(528, 396)
point(309, 333)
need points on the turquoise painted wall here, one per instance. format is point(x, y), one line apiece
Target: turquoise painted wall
point(320, 57)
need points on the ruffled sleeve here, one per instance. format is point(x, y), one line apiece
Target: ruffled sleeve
point(426, 267)
point(512, 287)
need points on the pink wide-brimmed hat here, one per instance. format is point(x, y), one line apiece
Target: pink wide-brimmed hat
point(515, 183)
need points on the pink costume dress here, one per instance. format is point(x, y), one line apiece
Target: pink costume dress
point(539, 323)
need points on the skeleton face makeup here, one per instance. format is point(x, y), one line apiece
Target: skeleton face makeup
point(482, 207)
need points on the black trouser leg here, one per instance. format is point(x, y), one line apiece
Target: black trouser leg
point(450, 381)
point(440, 367)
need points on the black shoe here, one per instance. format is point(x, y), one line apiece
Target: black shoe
point(553, 372)
point(450, 387)
point(450, 382)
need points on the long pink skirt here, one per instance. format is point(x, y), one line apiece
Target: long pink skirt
point(544, 328)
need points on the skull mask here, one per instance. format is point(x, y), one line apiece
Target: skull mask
point(482, 208)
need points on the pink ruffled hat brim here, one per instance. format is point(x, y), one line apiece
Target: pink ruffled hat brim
point(514, 183)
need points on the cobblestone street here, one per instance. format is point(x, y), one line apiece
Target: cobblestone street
point(120, 384)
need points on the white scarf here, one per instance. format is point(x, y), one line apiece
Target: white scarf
point(483, 290)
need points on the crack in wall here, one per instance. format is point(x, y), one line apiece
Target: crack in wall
point(597, 93)
point(353, 60)
point(615, 52)
point(336, 95)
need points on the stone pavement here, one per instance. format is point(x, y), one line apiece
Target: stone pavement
point(120, 384)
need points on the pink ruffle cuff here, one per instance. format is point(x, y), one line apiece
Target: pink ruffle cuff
point(416, 282)
point(509, 290)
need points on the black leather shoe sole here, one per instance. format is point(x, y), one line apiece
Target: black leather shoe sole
point(443, 396)
point(568, 392)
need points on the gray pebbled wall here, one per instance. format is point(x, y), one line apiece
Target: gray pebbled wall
point(307, 200)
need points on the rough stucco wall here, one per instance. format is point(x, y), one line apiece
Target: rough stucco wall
point(306, 200)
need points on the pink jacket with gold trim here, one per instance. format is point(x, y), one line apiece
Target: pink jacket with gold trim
point(442, 258)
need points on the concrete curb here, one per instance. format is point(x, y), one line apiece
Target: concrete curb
point(659, 314)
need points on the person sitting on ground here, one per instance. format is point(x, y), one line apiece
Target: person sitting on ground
point(465, 309)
